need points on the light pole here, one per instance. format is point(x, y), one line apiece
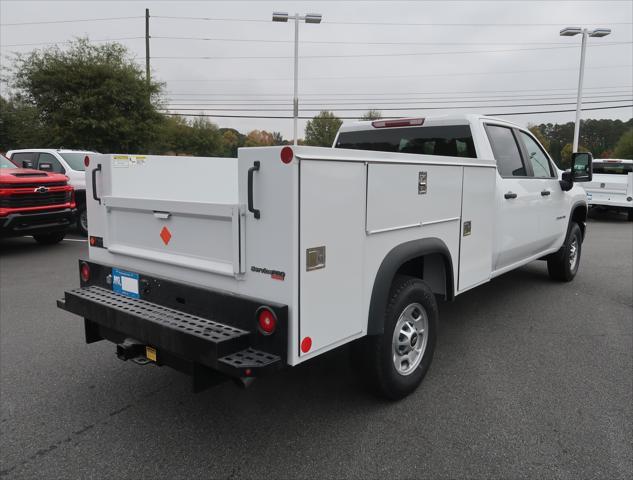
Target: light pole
point(570, 32)
point(308, 18)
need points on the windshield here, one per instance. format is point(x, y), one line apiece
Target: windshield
point(5, 162)
point(612, 168)
point(75, 160)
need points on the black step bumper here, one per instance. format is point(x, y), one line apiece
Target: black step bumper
point(189, 338)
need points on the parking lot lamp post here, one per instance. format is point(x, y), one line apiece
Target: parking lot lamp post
point(570, 32)
point(308, 18)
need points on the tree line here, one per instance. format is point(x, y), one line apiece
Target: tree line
point(96, 97)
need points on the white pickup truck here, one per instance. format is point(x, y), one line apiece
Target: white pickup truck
point(237, 267)
point(612, 186)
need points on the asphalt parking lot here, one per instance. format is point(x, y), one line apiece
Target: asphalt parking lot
point(531, 379)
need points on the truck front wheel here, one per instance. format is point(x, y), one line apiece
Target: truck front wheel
point(49, 238)
point(396, 361)
point(563, 265)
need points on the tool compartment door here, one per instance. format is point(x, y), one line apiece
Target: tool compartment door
point(477, 226)
point(332, 224)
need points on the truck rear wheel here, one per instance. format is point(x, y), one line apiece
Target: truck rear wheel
point(563, 265)
point(396, 362)
point(49, 238)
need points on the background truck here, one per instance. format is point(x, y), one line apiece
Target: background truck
point(34, 203)
point(612, 186)
point(238, 267)
point(64, 161)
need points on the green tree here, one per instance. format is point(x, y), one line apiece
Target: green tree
point(624, 147)
point(371, 115)
point(198, 137)
point(89, 96)
point(321, 130)
point(20, 126)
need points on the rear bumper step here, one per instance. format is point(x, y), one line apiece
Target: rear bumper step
point(184, 341)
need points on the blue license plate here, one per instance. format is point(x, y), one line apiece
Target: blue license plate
point(125, 283)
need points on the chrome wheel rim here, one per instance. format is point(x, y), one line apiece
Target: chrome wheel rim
point(410, 338)
point(573, 254)
point(83, 220)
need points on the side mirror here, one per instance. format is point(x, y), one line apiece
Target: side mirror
point(27, 164)
point(566, 182)
point(581, 167)
point(46, 167)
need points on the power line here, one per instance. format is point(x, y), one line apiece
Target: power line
point(356, 118)
point(384, 101)
point(607, 89)
point(348, 42)
point(372, 77)
point(363, 55)
point(399, 24)
point(446, 107)
point(70, 41)
point(48, 22)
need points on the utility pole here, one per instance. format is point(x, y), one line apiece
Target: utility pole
point(147, 75)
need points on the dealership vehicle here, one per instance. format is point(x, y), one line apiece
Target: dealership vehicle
point(67, 162)
point(271, 259)
point(34, 203)
point(612, 185)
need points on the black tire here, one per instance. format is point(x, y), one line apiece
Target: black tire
point(49, 238)
point(559, 265)
point(374, 354)
point(82, 220)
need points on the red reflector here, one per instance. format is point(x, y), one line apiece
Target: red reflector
point(85, 272)
point(93, 241)
point(287, 154)
point(401, 122)
point(267, 321)
point(306, 344)
point(86, 160)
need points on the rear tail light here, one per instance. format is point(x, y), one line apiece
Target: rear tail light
point(401, 122)
point(266, 320)
point(85, 272)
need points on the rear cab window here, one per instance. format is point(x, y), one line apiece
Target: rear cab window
point(449, 140)
point(25, 159)
point(612, 168)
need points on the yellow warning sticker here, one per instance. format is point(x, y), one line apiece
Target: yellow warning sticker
point(150, 353)
point(120, 157)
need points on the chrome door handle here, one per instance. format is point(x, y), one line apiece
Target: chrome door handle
point(510, 195)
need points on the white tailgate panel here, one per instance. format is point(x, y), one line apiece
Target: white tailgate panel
point(331, 298)
point(475, 262)
point(393, 200)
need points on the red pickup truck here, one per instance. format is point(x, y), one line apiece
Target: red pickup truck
point(33, 202)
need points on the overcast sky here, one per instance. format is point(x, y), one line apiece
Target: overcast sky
point(380, 54)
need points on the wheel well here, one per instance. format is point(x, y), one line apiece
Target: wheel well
point(579, 215)
point(432, 269)
point(80, 197)
point(428, 259)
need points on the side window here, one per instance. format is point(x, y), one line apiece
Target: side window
point(24, 159)
point(537, 157)
point(506, 151)
point(47, 158)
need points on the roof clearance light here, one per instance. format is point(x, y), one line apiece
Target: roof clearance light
point(401, 122)
point(287, 154)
